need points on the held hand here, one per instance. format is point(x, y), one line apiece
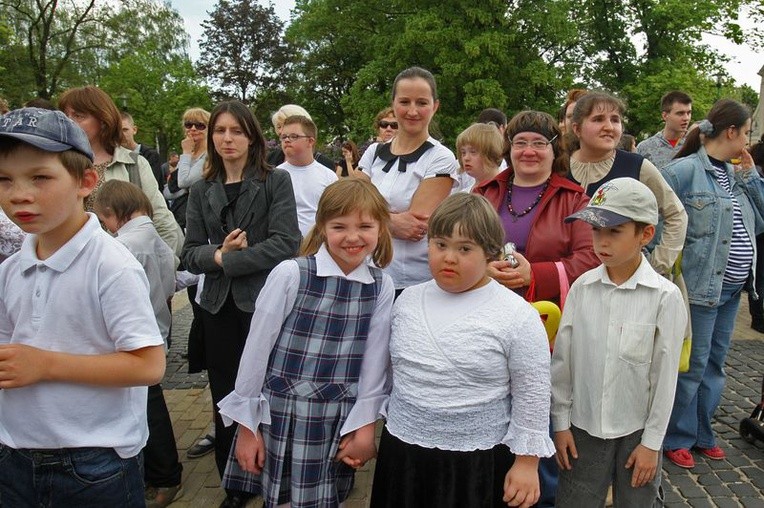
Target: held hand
point(521, 484)
point(358, 447)
point(564, 443)
point(250, 450)
point(408, 226)
point(188, 145)
point(21, 365)
point(236, 240)
point(645, 463)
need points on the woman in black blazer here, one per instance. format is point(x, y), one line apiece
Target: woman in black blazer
point(241, 222)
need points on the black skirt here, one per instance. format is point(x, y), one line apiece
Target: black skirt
point(412, 476)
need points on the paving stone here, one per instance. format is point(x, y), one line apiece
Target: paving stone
point(702, 502)
point(744, 490)
point(728, 476)
point(726, 502)
point(709, 479)
point(755, 502)
point(716, 491)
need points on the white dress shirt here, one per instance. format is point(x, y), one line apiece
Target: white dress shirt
point(247, 405)
point(616, 356)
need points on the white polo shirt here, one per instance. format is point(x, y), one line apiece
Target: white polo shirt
point(308, 183)
point(90, 297)
point(409, 265)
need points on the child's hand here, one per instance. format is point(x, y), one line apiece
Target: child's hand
point(358, 447)
point(521, 485)
point(564, 443)
point(645, 463)
point(21, 365)
point(250, 450)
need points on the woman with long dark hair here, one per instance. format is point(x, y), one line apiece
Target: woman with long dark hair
point(724, 206)
point(241, 223)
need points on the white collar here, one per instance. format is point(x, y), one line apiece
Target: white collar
point(133, 224)
point(65, 255)
point(327, 267)
point(644, 275)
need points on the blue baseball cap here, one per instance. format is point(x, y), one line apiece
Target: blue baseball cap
point(51, 131)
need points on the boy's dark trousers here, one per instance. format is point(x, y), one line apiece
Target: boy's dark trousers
point(81, 477)
point(163, 469)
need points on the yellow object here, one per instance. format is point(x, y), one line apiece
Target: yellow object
point(684, 357)
point(550, 314)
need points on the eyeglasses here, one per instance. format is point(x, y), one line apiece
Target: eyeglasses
point(199, 125)
point(292, 137)
point(384, 124)
point(537, 144)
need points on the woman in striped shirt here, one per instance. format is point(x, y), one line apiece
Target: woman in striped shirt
point(725, 205)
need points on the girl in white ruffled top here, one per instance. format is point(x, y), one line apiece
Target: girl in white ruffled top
point(468, 416)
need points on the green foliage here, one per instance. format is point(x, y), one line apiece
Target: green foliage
point(157, 90)
point(243, 52)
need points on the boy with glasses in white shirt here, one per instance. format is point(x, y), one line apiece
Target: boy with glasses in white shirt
point(309, 177)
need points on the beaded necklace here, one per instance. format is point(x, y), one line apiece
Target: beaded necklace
point(515, 215)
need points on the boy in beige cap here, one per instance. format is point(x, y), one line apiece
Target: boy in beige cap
point(615, 360)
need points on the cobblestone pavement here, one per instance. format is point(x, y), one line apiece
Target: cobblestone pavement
point(737, 481)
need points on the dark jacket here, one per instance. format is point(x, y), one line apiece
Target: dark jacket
point(155, 162)
point(266, 210)
point(550, 239)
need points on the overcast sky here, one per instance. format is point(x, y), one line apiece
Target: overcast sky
point(744, 65)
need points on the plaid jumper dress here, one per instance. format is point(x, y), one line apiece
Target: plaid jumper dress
point(311, 385)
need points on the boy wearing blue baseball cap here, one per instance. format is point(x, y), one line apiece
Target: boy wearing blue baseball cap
point(75, 358)
point(615, 360)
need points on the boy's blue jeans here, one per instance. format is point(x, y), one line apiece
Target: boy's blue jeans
point(81, 477)
point(699, 391)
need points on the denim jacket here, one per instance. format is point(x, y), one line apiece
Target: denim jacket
point(709, 227)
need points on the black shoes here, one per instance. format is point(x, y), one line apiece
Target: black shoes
point(235, 501)
point(202, 447)
point(758, 324)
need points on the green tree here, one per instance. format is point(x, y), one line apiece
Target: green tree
point(158, 89)
point(243, 51)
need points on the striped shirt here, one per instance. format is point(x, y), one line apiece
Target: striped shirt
point(741, 249)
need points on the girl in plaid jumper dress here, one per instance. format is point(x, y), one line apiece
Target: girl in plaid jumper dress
point(312, 377)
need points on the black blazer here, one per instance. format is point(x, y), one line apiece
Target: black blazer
point(266, 210)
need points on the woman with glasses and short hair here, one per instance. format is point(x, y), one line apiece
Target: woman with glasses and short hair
point(241, 223)
point(386, 125)
point(533, 196)
point(194, 145)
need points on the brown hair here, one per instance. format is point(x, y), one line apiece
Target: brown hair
point(416, 73)
point(308, 127)
point(352, 148)
point(725, 113)
point(541, 123)
point(94, 101)
point(472, 216)
point(348, 196)
point(388, 111)
point(256, 162)
point(73, 161)
point(586, 104)
point(668, 100)
point(485, 138)
point(122, 199)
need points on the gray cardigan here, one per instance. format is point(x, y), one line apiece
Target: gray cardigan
point(266, 210)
